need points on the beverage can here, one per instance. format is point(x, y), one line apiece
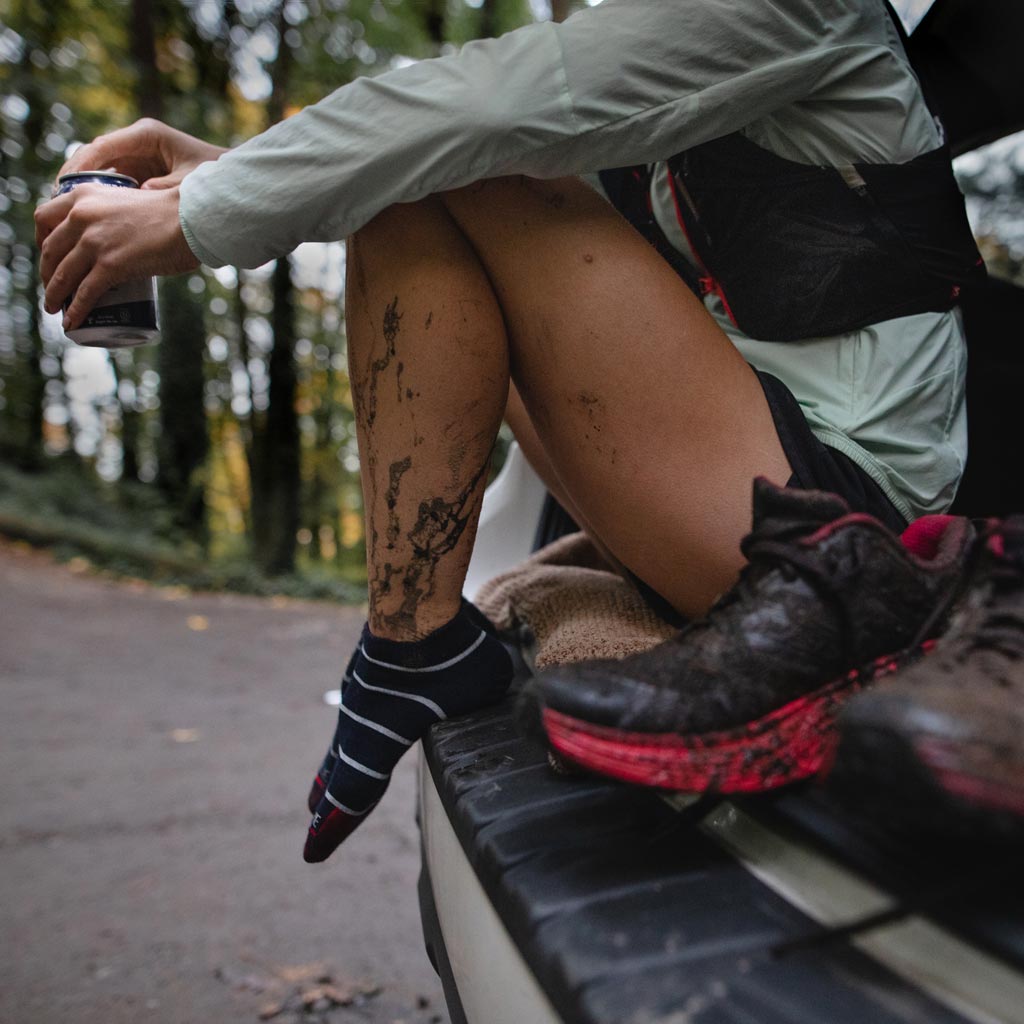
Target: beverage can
point(126, 315)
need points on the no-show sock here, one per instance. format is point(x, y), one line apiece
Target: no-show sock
point(391, 694)
point(323, 775)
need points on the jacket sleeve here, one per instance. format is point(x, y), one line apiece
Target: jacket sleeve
point(629, 81)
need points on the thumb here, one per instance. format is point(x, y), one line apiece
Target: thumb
point(164, 181)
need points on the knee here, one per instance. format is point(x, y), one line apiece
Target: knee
point(401, 223)
point(518, 194)
point(512, 188)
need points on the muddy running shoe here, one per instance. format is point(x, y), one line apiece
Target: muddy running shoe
point(746, 699)
point(942, 747)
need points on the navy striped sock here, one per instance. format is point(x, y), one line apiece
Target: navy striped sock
point(326, 770)
point(391, 694)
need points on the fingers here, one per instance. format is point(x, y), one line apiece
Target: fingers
point(73, 269)
point(55, 233)
point(165, 181)
point(69, 259)
point(86, 296)
point(136, 151)
point(154, 154)
point(65, 261)
point(49, 214)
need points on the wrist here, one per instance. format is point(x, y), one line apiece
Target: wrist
point(179, 251)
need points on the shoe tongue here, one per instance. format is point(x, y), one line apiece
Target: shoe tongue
point(784, 511)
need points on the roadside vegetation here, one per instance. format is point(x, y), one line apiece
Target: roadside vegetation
point(127, 530)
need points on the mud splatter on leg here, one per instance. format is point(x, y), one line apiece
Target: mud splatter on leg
point(440, 525)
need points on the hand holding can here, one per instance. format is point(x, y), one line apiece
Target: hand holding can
point(125, 315)
point(96, 237)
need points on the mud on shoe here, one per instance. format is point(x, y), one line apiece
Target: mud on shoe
point(746, 699)
point(941, 748)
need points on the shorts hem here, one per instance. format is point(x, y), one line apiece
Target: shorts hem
point(856, 454)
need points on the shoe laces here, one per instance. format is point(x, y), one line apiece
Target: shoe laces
point(776, 549)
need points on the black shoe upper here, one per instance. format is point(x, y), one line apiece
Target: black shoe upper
point(824, 592)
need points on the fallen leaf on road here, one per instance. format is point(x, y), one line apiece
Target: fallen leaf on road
point(199, 623)
point(302, 992)
point(184, 735)
point(316, 971)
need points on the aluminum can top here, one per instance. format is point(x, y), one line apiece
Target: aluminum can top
point(68, 181)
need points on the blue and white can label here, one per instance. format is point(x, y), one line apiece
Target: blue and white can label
point(126, 315)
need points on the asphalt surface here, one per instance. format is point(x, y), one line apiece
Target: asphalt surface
point(155, 752)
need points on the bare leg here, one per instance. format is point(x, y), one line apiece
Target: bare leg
point(525, 434)
point(428, 361)
point(650, 419)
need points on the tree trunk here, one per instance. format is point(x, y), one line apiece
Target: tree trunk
point(148, 103)
point(281, 453)
point(489, 19)
point(183, 443)
point(560, 9)
point(247, 423)
point(30, 454)
point(148, 95)
point(32, 457)
point(435, 21)
point(276, 452)
point(184, 439)
point(122, 364)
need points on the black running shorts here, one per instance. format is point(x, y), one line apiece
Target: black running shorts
point(816, 466)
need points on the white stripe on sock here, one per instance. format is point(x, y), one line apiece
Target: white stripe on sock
point(425, 701)
point(429, 668)
point(377, 728)
point(348, 810)
point(362, 767)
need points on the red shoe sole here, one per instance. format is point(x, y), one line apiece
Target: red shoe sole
point(792, 743)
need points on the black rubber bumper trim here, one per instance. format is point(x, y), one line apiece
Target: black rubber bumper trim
point(625, 911)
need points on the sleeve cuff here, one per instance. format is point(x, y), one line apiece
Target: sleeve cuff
point(201, 253)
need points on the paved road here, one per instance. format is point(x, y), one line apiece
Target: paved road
point(155, 749)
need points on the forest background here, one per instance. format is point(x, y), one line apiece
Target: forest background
point(225, 456)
